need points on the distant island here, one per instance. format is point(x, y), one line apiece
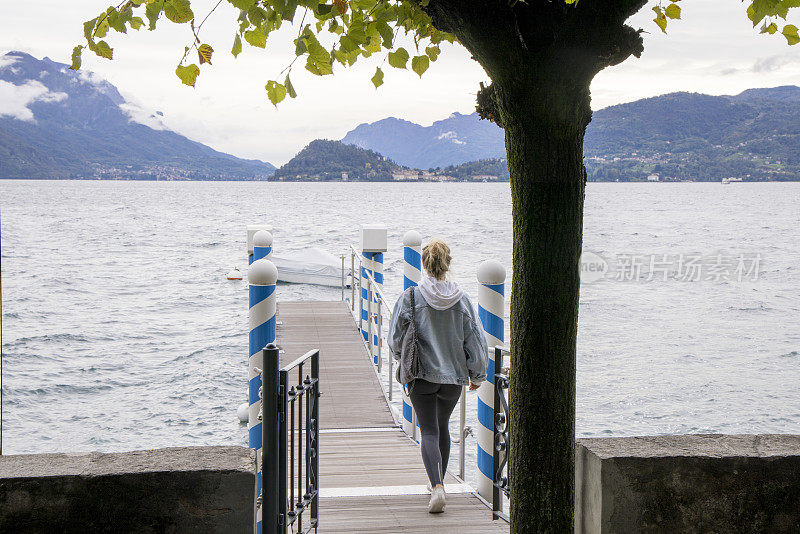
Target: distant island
point(326, 160)
point(76, 125)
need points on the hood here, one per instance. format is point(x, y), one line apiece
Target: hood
point(440, 294)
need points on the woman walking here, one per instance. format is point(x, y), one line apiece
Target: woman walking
point(452, 354)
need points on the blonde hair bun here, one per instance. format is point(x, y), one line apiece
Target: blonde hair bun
point(436, 258)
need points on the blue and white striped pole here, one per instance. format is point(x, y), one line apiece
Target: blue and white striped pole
point(252, 229)
point(262, 277)
point(412, 274)
point(491, 311)
point(262, 245)
point(372, 263)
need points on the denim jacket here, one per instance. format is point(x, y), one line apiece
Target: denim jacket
point(453, 349)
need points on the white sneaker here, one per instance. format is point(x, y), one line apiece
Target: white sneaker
point(437, 502)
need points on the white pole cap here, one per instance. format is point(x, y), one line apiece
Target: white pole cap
point(262, 273)
point(412, 238)
point(262, 238)
point(251, 231)
point(491, 272)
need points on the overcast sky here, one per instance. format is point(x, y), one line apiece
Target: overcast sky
point(713, 50)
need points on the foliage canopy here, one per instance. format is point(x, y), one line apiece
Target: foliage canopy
point(339, 31)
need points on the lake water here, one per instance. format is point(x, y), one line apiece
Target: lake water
point(120, 331)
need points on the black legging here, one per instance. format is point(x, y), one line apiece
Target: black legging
point(433, 404)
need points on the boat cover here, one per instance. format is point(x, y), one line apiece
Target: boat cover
point(310, 266)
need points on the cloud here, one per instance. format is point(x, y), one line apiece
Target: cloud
point(15, 99)
point(772, 63)
point(138, 114)
point(7, 60)
point(452, 136)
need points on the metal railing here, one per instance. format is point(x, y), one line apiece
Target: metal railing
point(374, 320)
point(290, 416)
point(374, 293)
point(501, 432)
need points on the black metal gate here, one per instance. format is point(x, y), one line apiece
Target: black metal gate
point(501, 442)
point(290, 464)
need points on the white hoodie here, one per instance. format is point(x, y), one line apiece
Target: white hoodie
point(440, 294)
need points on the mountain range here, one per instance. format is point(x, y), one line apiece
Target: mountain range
point(754, 135)
point(59, 123)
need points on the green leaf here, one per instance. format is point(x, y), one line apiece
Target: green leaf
point(289, 87)
point(242, 4)
point(103, 50)
point(660, 19)
point(433, 52)
point(102, 28)
point(377, 79)
point(398, 58)
point(76, 57)
point(204, 52)
point(178, 11)
point(770, 29)
point(420, 64)
point(188, 74)
point(256, 37)
point(324, 9)
point(319, 67)
point(673, 11)
point(790, 32)
point(136, 23)
point(88, 28)
point(152, 11)
point(275, 92)
point(237, 46)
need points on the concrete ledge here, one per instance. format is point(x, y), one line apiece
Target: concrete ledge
point(181, 489)
point(694, 483)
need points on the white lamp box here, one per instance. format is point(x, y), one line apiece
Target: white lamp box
point(374, 238)
point(251, 231)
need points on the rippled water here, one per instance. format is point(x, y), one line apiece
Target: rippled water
point(120, 331)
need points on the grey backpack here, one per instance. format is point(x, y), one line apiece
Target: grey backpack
point(408, 366)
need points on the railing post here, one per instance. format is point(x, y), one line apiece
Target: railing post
point(353, 281)
point(462, 451)
point(343, 277)
point(315, 426)
point(262, 245)
point(379, 335)
point(370, 331)
point(251, 232)
point(373, 245)
point(269, 453)
point(412, 274)
point(262, 277)
point(491, 311)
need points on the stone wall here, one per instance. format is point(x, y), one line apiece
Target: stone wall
point(182, 489)
point(692, 483)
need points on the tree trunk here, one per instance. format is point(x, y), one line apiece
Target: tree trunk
point(544, 128)
point(541, 57)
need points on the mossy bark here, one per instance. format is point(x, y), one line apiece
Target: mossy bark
point(545, 159)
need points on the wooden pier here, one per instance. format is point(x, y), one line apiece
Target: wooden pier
point(371, 474)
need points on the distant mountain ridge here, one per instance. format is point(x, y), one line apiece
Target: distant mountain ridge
point(754, 135)
point(58, 123)
point(451, 141)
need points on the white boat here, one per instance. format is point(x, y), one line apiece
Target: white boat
point(311, 266)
